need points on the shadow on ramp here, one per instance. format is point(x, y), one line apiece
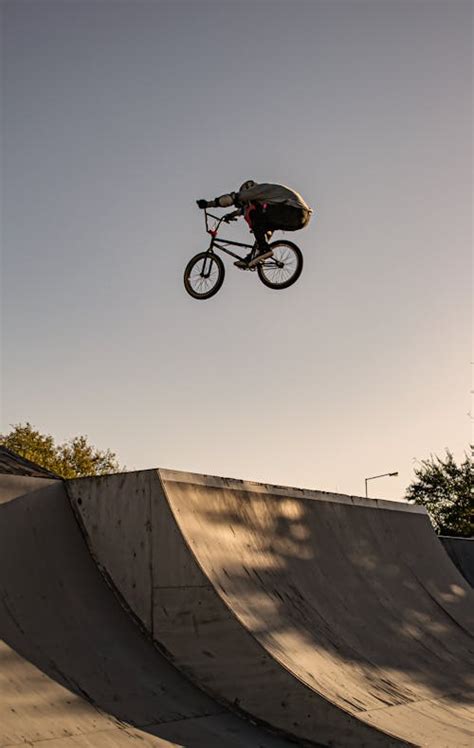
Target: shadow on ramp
point(461, 553)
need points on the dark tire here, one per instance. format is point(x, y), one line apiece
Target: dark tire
point(204, 275)
point(284, 268)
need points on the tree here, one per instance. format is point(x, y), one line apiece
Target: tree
point(447, 491)
point(72, 459)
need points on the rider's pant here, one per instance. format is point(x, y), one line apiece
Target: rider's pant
point(264, 218)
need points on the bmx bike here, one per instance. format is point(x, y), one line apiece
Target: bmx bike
point(205, 272)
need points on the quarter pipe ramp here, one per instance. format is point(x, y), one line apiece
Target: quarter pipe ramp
point(334, 620)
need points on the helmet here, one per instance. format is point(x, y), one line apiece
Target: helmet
point(247, 185)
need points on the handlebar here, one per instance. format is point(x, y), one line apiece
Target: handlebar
point(218, 219)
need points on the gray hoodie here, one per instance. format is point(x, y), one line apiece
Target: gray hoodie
point(273, 194)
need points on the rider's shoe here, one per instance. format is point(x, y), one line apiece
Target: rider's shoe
point(263, 254)
point(244, 263)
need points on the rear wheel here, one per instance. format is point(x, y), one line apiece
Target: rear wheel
point(204, 275)
point(284, 268)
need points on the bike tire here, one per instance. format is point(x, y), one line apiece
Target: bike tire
point(278, 280)
point(206, 291)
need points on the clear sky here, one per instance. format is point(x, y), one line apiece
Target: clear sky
point(117, 115)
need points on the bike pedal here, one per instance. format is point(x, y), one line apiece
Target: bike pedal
point(261, 258)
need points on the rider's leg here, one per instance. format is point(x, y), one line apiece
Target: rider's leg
point(259, 224)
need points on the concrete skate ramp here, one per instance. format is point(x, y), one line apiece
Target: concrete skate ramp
point(461, 552)
point(334, 619)
point(75, 670)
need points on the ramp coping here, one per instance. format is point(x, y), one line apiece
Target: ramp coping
point(233, 484)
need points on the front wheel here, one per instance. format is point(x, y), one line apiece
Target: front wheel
point(204, 275)
point(284, 268)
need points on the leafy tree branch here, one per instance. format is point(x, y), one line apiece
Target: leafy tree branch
point(446, 489)
point(75, 458)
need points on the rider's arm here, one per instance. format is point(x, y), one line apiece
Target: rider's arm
point(224, 201)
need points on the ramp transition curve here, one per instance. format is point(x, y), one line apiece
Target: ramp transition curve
point(75, 670)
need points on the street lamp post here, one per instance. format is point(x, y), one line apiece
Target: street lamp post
point(373, 477)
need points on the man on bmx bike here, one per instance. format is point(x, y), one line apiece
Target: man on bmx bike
point(266, 208)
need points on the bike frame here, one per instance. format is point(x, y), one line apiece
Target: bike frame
point(222, 244)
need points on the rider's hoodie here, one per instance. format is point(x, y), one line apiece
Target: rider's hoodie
point(272, 194)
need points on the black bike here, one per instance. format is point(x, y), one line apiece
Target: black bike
point(204, 274)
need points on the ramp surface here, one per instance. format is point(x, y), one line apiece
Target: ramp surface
point(335, 619)
point(75, 670)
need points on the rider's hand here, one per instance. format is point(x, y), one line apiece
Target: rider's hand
point(231, 216)
point(202, 204)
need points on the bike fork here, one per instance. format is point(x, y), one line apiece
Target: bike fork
point(206, 264)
